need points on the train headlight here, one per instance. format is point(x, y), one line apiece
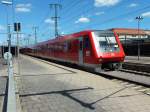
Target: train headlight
point(122, 58)
point(100, 60)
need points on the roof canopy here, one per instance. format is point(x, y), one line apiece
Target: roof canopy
point(128, 31)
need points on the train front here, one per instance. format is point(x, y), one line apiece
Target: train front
point(110, 53)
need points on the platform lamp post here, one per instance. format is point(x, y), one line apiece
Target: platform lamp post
point(139, 19)
point(11, 99)
point(7, 3)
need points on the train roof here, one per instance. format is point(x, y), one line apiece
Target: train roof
point(63, 37)
point(69, 36)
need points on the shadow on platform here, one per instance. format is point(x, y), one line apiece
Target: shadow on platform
point(67, 93)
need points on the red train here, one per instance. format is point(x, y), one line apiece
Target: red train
point(96, 49)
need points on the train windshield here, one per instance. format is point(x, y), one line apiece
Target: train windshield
point(106, 42)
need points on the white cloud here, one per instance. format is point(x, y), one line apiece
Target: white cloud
point(101, 3)
point(2, 27)
point(130, 20)
point(49, 21)
point(83, 20)
point(62, 33)
point(133, 5)
point(23, 7)
point(146, 14)
point(99, 13)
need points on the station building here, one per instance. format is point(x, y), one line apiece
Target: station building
point(148, 33)
point(133, 40)
point(128, 35)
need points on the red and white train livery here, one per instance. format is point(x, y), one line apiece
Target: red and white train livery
point(96, 49)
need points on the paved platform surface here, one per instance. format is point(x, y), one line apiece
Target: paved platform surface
point(48, 87)
point(134, 59)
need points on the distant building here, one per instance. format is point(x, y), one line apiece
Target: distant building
point(147, 32)
point(4, 48)
point(128, 35)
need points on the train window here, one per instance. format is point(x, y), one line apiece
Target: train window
point(86, 42)
point(67, 46)
point(107, 42)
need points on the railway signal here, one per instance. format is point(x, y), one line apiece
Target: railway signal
point(17, 29)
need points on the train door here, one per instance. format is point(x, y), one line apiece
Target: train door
point(87, 50)
point(81, 50)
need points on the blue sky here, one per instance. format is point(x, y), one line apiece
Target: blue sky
point(75, 15)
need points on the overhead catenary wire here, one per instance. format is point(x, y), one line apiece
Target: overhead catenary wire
point(70, 5)
point(74, 6)
point(56, 6)
point(86, 10)
point(130, 13)
point(113, 19)
point(42, 24)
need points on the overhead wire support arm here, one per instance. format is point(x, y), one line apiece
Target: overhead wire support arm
point(56, 17)
point(35, 28)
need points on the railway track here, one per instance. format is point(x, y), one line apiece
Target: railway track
point(3, 85)
point(145, 68)
point(136, 72)
point(138, 78)
point(139, 81)
point(134, 86)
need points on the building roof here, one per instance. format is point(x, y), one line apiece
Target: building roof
point(128, 31)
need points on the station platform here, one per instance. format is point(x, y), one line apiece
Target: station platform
point(141, 65)
point(134, 59)
point(49, 87)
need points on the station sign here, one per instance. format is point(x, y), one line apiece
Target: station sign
point(7, 56)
